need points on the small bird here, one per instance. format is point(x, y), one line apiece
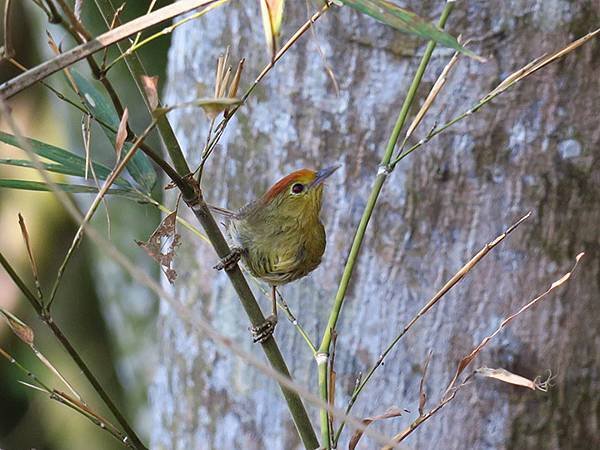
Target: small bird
point(279, 237)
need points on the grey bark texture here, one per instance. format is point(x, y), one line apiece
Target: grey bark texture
point(534, 148)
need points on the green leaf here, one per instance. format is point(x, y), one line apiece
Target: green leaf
point(407, 22)
point(27, 185)
point(67, 162)
point(97, 102)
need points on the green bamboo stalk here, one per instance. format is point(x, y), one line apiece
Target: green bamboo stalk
point(382, 174)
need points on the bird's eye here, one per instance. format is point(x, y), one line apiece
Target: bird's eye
point(297, 188)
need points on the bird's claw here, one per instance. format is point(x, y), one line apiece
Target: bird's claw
point(229, 262)
point(265, 330)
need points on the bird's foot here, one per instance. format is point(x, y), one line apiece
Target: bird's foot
point(265, 330)
point(228, 262)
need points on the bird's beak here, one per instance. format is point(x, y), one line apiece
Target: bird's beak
point(323, 174)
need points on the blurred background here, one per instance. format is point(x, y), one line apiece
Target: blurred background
point(91, 310)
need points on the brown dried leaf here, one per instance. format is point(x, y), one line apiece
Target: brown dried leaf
point(214, 106)
point(538, 63)
point(507, 377)
point(435, 90)
point(389, 414)
point(25, 234)
point(52, 44)
point(18, 327)
point(167, 236)
point(121, 133)
point(233, 88)
point(422, 393)
point(150, 85)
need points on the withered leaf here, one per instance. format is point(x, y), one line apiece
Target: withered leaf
point(150, 88)
point(18, 327)
point(390, 413)
point(165, 236)
point(121, 134)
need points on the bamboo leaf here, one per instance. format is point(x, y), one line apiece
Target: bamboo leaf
point(96, 101)
point(67, 162)
point(27, 185)
point(21, 329)
point(407, 22)
point(272, 16)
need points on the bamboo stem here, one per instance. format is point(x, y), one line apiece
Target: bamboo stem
point(380, 178)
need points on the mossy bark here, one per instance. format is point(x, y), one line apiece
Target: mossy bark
point(535, 148)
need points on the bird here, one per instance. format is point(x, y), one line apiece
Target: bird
point(279, 237)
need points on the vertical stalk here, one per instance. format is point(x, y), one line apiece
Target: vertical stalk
point(384, 170)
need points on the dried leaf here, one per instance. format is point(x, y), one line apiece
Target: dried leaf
point(389, 414)
point(538, 63)
point(422, 393)
point(150, 85)
point(507, 377)
point(25, 235)
point(435, 90)
point(214, 106)
point(52, 44)
point(121, 134)
point(233, 88)
point(164, 236)
point(18, 327)
point(272, 16)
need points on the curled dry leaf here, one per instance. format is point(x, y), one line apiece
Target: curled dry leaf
point(165, 233)
point(422, 392)
point(121, 134)
point(150, 85)
point(214, 106)
point(507, 377)
point(389, 414)
point(18, 327)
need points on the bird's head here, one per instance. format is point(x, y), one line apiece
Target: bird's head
point(299, 193)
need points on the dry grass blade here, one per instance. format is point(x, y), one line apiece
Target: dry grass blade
point(121, 134)
point(55, 371)
point(512, 378)
point(389, 414)
point(433, 93)
point(539, 63)
point(32, 262)
point(464, 363)
point(422, 393)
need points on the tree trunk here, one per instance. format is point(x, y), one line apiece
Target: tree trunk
point(532, 149)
